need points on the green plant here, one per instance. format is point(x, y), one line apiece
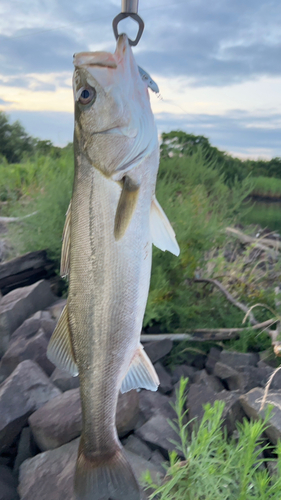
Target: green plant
point(216, 467)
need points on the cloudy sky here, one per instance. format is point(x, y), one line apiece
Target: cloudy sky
point(217, 63)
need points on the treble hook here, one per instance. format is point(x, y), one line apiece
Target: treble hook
point(129, 9)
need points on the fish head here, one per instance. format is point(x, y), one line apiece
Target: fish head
point(114, 124)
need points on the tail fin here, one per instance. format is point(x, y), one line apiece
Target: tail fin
point(105, 478)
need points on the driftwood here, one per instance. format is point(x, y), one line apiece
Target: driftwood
point(204, 334)
point(16, 219)
point(265, 244)
point(25, 270)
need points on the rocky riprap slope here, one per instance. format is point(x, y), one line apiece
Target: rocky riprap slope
point(40, 411)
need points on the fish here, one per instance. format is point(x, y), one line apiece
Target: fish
point(112, 221)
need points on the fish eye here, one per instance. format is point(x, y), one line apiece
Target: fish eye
point(87, 95)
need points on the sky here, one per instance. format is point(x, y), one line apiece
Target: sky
point(217, 64)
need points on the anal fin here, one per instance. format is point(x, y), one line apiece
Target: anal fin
point(65, 251)
point(126, 206)
point(60, 350)
point(163, 235)
point(141, 373)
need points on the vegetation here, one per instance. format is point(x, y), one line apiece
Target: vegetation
point(267, 187)
point(216, 467)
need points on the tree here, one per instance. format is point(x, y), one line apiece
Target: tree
point(14, 140)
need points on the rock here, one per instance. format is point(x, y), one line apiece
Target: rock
point(23, 392)
point(18, 305)
point(158, 459)
point(135, 445)
point(184, 371)
point(60, 420)
point(202, 377)
point(50, 475)
point(154, 403)
point(56, 308)
point(29, 328)
point(243, 379)
point(158, 434)
point(57, 422)
point(235, 359)
point(265, 371)
point(26, 449)
point(212, 358)
point(21, 349)
point(200, 394)
point(8, 484)
point(64, 381)
point(164, 378)
point(251, 403)
point(127, 412)
point(158, 350)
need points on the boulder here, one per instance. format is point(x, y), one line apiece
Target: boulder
point(64, 381)
point(49, 475)
point(23, 392)
point(135, 445)
point(164, 378)
point(41, 319)
point(200, 394)
point(235, 359)
point(26, 449)
point(158, 433)
point(251, 403)
point(158, 350)
point(202, 377)
point(212, 358)
point(8, 484)
point(60, 420)
point(56, 308)
point(154, 403)
point(184, 371)
point(34, 348)
point(18, 305)
point(243, 379)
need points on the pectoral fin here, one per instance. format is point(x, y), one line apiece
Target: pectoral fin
point(141, 373)
point(163, 235)
point(60, 350)
point(126, 207)
point(65, 251)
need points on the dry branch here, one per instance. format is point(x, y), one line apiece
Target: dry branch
point(16, 219)
point(229, 297)
point(262, 243)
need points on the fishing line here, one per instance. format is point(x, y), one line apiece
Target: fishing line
point(67, 26)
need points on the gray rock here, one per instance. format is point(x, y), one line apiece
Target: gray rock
point(224, 372)
point(56, 308)
point(60, 420)
point(135, 445)
point(49, 475)
point(212, 358)
point(34, 348)
point(41, 319)
point(202, 377)
point(18, 305)
point(26, 449)
point(243, 379)
point(158, 350)
point(251, 403)
point(154, 403)
point(158, 459)
point(158, 434)
point(184, 371)
point(200, 394)
point(64, 381)
point(8, 484)
point(23, 392)
point(265, 372)
point(164, 378)
point(235, 359)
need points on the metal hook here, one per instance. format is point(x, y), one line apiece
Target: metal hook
point(129, 9)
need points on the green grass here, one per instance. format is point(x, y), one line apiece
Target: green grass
point(268, 187)
point(216, 467)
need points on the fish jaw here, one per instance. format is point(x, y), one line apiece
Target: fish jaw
point(116, 129)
